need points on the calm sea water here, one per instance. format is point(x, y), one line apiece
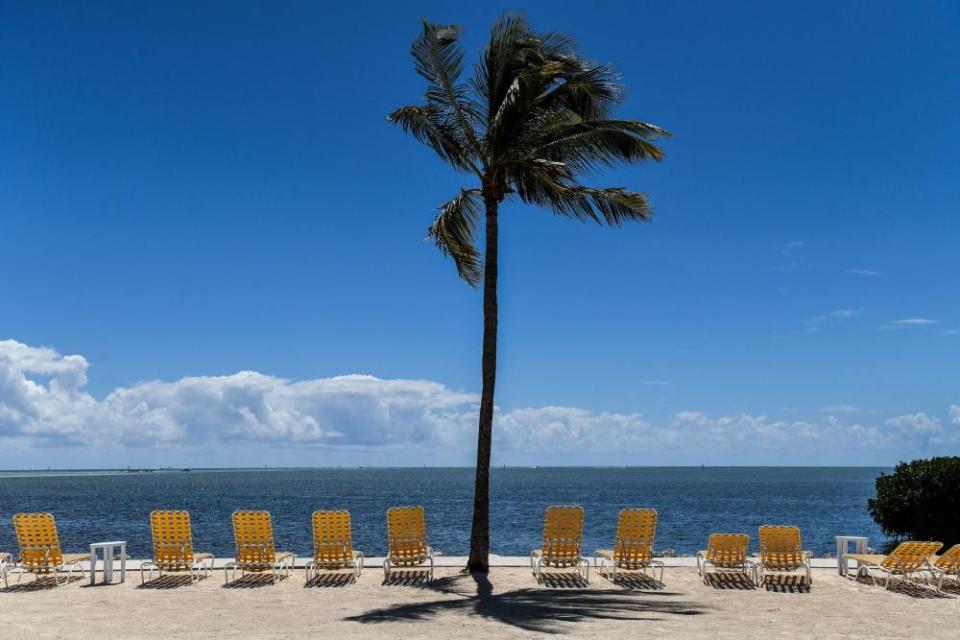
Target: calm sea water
point(89, 507)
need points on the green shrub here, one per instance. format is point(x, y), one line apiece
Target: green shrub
point(920, 500)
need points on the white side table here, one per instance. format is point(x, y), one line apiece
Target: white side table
point(107, 549)
point(843, 547)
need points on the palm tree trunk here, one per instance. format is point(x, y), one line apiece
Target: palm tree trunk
point(479, 561)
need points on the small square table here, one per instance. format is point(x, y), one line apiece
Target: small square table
point(107, 549)
point(843, 546)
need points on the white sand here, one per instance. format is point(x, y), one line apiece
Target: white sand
point(510, 605)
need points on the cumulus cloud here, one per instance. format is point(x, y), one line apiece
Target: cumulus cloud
point(917, 423)
point(43, 404)
point(41, 398)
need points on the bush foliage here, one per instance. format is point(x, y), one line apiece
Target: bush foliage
point(920, 500)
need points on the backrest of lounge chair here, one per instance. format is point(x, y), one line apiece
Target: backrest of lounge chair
point(253, 534)
point(562, 536)
point(728, 549)
point(407, 535)
point(39, 543)
point(636, 530)
point(172, 539)
point(949, 561)
point(910, 556)
point(781, 547)
point(332, 538)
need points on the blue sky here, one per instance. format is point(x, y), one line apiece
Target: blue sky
point(192, 190)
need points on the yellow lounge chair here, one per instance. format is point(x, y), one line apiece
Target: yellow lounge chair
point(172, 539)
point(40, 552)
point(633, 548)
point(256, 550)
point(946, 565)
point(333, 544)
point(562, 542)
point(907, 559)
point(781, 551)
point(724, 552)
point(406, 540)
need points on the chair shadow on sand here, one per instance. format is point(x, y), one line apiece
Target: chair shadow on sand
point(39, 583)
point(532, 609)
point(330, 580)
point(784, 584)
point(561, 580)
point(912, 589)
point(733, 581)
point(408, 578)
point(633, 581)
point(170, 581)
point(253, 581)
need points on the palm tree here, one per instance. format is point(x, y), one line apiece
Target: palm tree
point(534, 117)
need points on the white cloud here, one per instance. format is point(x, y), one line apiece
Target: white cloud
point(843, 314)
point(907, 323)
point(863, 272)
point(839, 408)
point(950, 332)
point(916, 423)
point(246, 406)
point(43, 407)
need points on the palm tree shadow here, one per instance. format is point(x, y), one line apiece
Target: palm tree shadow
point(531, 609)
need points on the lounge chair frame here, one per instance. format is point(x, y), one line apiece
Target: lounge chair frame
point(407, 540)
point(633, 546)
point(906, 560)
point(726, 553)
point(946, 565)
point(333, 545)
point(40, 551)
point(171, 536)
point(256, 550)
point(562, 542)
point(781, 551)
point(6, 562)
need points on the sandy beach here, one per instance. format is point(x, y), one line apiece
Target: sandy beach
point(509, 604)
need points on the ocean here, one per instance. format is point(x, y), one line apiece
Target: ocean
point(692, 502)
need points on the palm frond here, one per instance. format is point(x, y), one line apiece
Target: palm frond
point(453, 232)
point(550, 184)
point(439, 60)
point(502, 57)
point(432, 128)
point(587, 144)
point(589, 91)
